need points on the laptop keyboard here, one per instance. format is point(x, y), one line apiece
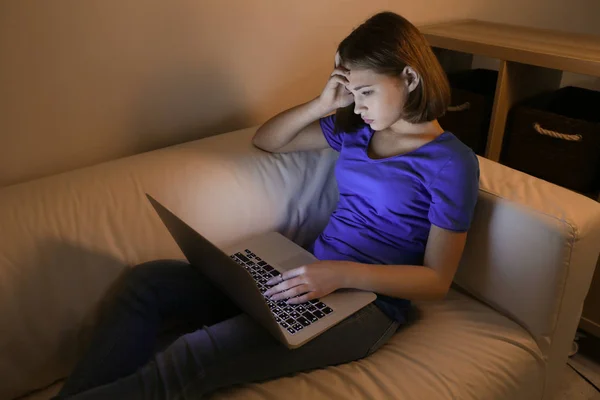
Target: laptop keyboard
point(292, 317)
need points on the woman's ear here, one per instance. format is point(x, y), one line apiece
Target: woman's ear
point(411, 78)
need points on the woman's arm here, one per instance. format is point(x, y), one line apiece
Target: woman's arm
point(429, 282)
point(298, 128)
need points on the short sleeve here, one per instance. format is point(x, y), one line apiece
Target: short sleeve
point(334, 139)
point(454, 193)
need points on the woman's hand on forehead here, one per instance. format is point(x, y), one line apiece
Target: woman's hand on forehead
point(338, 59)
point(338, 62)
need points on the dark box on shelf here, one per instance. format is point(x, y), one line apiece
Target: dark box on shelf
point(469, 114)
point(556, 136)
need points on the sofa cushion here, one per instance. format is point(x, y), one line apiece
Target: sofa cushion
point(457, 349)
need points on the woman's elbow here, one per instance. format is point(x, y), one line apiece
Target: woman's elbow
point(439, 292)
point(259, 143)
point(442, 290)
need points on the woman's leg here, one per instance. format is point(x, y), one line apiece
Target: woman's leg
point(151, 294)
point(238, 350)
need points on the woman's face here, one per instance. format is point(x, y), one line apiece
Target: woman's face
point(378, 99)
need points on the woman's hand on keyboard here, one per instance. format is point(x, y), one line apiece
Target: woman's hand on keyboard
point(307, 282)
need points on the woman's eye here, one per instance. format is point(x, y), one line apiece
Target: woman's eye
point(366, 93)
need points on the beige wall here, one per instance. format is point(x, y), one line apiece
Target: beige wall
point(87, 81)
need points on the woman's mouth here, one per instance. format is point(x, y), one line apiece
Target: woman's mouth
point(368, 121)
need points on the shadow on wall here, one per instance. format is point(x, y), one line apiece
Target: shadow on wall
point(188, 105)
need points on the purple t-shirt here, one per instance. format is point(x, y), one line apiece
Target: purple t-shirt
point(386, 206)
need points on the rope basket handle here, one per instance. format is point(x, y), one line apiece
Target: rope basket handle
point(557, 135)
point(461, 107)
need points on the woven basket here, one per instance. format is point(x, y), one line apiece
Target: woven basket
point(556, 136)
point(468, 116)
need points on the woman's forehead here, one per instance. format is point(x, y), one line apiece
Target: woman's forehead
point(360, 77)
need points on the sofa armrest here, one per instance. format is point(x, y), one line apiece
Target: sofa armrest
point(531, 254)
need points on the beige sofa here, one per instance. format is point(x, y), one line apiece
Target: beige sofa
point(66, 239)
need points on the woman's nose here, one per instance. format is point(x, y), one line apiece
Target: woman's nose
point(358, 108)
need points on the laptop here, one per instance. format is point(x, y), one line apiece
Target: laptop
point(242, 271)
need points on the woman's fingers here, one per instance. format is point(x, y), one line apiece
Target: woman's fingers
point(303, 299)
point(295, 291)
point(336, 79)
point(285, 285)
point(333, 96)
point(340, 71)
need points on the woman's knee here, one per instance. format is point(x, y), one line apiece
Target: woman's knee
point(152, 272)
point(143, 281)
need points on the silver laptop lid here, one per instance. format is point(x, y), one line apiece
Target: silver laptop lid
point(225, 273)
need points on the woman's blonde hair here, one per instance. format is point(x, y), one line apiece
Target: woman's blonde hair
point(386, 43)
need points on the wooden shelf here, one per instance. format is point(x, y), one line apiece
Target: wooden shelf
point(531, 61)
point(545, 48)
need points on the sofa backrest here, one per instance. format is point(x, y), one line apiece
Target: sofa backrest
point(67, 238)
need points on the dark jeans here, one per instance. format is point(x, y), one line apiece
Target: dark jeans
point(214, 344)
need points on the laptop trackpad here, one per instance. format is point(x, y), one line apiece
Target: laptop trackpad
point(297, 260)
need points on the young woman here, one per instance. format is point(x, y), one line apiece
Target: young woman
point(407, 194)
